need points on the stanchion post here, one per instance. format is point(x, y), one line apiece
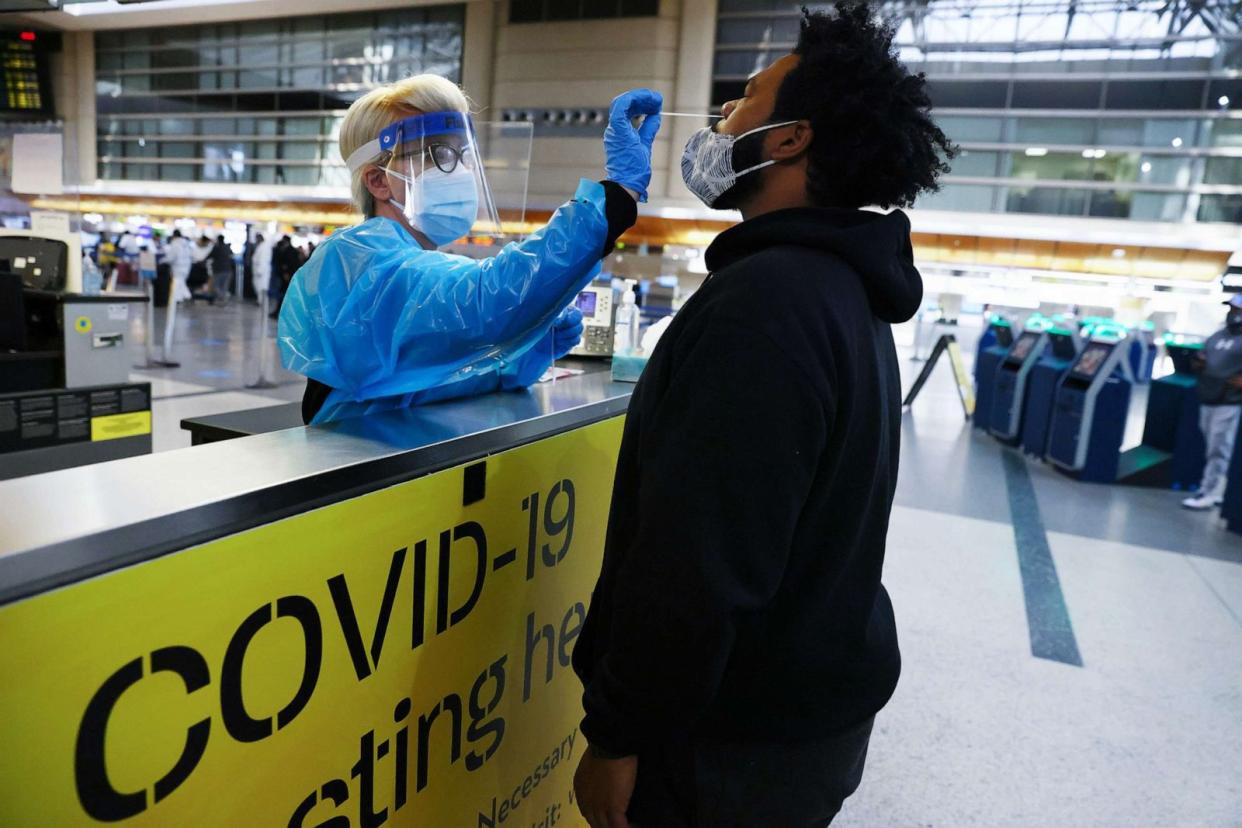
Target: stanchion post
point(169, 320)
point(148, 345)
point(263, 381)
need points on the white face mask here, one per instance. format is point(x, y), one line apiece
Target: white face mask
point(707, 162)
point(442, 206)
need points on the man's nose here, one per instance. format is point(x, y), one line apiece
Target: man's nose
point(727, 109)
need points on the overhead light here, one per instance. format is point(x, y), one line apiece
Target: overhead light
point(1223, 100)
point(1119, 252)
point(1146, 167)
point(1177, 142)
point(1036, 152)
point(1094, 153)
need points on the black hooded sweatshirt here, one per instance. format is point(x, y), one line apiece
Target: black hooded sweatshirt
point(740, 596)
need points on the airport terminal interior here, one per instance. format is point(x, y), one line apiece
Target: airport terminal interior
point(1067, 594)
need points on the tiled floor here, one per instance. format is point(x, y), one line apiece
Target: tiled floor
point(1146, 732)
point(218, 351)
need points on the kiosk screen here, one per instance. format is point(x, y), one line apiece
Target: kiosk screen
point(1088, 364)
point(42, 264)
point(1022, 347)
point(1063, 347)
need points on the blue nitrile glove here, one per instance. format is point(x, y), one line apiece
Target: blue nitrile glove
point(567, 331)
point(627, 151)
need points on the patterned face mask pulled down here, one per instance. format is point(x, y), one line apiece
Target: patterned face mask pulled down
point(707, 162)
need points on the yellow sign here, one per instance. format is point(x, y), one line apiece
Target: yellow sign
point(115, 426)
point(398, 658)
point(82, 324)
point(965, 385)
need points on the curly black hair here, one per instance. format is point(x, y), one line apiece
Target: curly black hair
point(875, 142)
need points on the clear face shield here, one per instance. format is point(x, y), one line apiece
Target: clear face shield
point(435, 164)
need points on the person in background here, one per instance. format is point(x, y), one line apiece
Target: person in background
point(200, 275)
point(248, 267)
point(128, 247)
point(285, 262)
point(1219, 366)
point(148, 262)
point(223, 269)
point(105, 256)
point(180, 261)
point(261, 265)
point(739, 641)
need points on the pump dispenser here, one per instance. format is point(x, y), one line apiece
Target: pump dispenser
point(625, 339)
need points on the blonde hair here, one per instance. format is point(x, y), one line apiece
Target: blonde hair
point(384, 105)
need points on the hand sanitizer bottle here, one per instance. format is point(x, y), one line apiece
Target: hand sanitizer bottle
point(625, 337)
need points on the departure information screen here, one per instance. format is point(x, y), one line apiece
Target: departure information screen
point(23, 77)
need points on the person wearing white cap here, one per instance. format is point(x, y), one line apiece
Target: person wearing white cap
point(1220, 405)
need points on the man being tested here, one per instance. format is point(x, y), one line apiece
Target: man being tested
point(739, 642)
point(378, 318)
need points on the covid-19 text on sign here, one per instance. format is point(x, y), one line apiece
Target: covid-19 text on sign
point(399, 658)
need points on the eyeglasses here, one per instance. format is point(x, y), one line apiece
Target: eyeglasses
point(446, 157)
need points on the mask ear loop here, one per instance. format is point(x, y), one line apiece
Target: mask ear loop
point(767, 163)
point(408, 180)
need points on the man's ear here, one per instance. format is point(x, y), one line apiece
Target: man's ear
point(377, 184)
point(793, 141)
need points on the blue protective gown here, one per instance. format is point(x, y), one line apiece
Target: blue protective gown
point(387, 324)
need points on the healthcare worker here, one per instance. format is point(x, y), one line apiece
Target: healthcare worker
point(378, 318)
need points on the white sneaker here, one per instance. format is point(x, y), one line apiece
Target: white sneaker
point(1200, 502)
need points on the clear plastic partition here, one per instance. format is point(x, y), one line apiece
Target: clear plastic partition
point(506, 149)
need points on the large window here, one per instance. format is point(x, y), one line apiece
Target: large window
point(1068, 108)
point(538, 11)
point(255, 101)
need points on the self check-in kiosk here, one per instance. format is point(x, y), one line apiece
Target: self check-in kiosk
point(1089, 412)
point(1172, 452)
point(1010, 385)
point(993, 345)
point(1058, 356)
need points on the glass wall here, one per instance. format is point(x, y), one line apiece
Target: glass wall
point(255, 101)
point(1064, 107)
point(539, 11)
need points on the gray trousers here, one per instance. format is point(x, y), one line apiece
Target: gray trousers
point(1219, 424)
